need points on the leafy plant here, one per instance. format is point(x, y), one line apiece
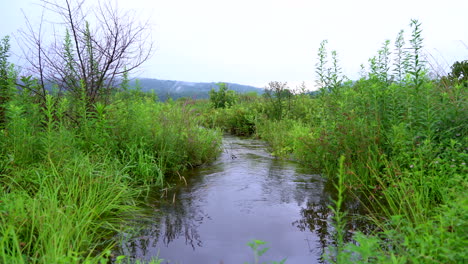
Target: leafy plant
point(339, 216)
point(279, 100)
point(256, 246)
point(321, 67)
point(8, 77)
point(223, 97)
point(417, 63)
point(401, 61)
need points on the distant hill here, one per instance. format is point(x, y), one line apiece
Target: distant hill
point(198, 90)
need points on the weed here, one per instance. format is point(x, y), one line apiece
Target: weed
point(256, 246)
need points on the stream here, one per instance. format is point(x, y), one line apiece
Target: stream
point(216, 209)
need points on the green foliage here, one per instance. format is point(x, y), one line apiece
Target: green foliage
point(278, 97)
point(68, 212)
point(417, 63)
point(4, 54)
point(168, 136)
point(329, 78)
point(321, 66)
point(460, 70)
point(458, 74)
point(123, 260)
point(284, 136)
point(337, 255)
point(124, 85)
point(335, 75)
point(256, 245)
point(395, 138)
point(380, 65)
point(404, 151)
point(223, 97)
point(7, 78)
point(71, 173)
point(401, 61)
point(238, 119)
point(72, 76)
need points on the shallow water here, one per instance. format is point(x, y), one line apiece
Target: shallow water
point(245, 194)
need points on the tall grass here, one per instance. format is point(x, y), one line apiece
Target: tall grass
point(71, 172)
point(71, 176)
point(72, 209)
point(403, 137)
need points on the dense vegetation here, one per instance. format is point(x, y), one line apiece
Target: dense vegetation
point(402, 141)
point(72, 170)
point(71, 173)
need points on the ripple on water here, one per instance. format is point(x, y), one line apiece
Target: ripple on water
point(246, 194)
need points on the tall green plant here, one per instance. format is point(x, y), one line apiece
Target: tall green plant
point(380, 65)
point(223, 97)
point(7, 77)
point(72, 77)
point(4, 55)
point(124, 85)
point(417, 62)
point(335, 73)
point(384, 62)
point(401, 61)
point(256, 245)
point(321, 67)
point(278, 98)
point(339, 221)
point(330, 78)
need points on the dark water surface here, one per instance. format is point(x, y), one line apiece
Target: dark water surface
point(246, 194)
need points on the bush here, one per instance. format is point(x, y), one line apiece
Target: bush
point(223, 97)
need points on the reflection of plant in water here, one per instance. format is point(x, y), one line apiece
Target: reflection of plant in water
point(255, 246)
point(178, 220)
point(182, 219)
point(314, 218)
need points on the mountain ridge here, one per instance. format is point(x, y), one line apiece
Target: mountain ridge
point(174, 89)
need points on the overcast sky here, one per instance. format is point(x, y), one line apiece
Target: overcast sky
point(257, 41)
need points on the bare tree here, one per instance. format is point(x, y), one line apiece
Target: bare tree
point(90, 49)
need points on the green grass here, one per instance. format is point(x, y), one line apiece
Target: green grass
point(71, 173)
point(70, 181)
point(405, 153)
point(404, 146)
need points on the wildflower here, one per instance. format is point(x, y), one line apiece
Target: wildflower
point(463, 164)
point(411, 166)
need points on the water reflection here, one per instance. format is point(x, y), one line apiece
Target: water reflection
point(315, 217)
point(246, 194)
